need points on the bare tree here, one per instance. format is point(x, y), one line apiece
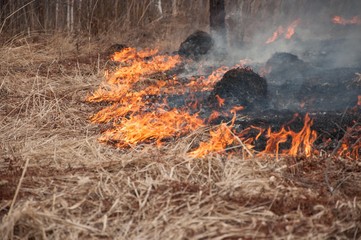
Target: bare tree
point(217, 18)
point(174, 7)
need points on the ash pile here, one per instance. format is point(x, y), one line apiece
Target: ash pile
point(301, 86)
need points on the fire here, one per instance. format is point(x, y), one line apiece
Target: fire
point(302, 141)
point(276, 35)
point(291, 29)
point(135, 117)
point(355, 20)
point(265, 71)
point(281, 31)
point(221, 137)
point(214, 115)
point(206, 84)
point(138, 111)
point(216, 75)
point(351, 143)
point(151, 127)
point(220, 101)
point(136, 65)
point(235, 109)
point(131, 54)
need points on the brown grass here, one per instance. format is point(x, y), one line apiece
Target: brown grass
point(58, 182)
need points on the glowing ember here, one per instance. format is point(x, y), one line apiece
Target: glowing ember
point(355, 20)
point(302, 141)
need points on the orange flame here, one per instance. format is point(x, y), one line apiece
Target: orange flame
point(291, 29)
point(151, 127)
point(355, 20)
point(224, 136)
point(138, 66)
point(302, 141)
point(131, 53)
point(275, 35)
point(214, 115)
point(235, 109)
point(205, 84)
point(351, 143)
point(135, 118)
point(220, 100)
point(281, 31)
point(221, 137)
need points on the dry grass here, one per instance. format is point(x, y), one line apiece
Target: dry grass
point(58, 182)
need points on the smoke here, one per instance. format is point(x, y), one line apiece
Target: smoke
point(311, 59)
point(250, 25)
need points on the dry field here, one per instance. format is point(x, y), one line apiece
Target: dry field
point(58, 182)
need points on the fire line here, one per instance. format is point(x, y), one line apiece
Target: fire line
point(138, 111)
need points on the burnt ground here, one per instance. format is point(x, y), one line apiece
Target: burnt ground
point(75, 187)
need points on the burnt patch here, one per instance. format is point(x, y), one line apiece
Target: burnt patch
point(239, 87)
point(196, 45)
point(285, 68)
point(330, 90)
point(301, 86)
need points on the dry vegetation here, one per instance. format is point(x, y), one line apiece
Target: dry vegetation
point(58, 182)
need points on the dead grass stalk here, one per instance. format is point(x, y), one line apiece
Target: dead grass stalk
point(76, 188)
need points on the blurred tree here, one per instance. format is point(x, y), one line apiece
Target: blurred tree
point(217, 19)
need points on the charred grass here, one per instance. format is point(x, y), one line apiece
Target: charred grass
point(58, 182)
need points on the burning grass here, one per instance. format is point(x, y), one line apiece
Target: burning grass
point(57, 181)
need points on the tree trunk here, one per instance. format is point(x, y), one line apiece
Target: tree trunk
point(217, 18)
